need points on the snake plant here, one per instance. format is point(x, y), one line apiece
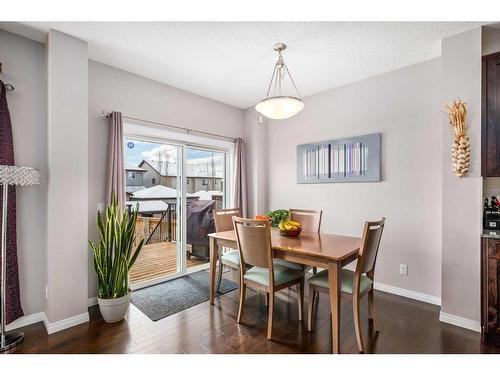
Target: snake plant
point(114, 254)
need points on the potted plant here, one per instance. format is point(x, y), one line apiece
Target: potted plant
point(114, 256)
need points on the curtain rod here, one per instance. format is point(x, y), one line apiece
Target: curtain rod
point(178, 128)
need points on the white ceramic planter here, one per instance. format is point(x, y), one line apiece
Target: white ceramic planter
point(114, 309)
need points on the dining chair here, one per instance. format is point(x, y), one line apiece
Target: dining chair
point(254, 243)
point(358, 283)
point(310, 221)
point(231, 258)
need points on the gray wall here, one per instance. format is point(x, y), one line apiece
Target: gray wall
point(24, 67)
point(137, 181)
point(67, 194)
point(405, 106)
point(462, 203)
point(135, 96)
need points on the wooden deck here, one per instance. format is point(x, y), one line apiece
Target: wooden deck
point(157, 260)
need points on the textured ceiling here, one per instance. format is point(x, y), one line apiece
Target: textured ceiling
point(232, 62)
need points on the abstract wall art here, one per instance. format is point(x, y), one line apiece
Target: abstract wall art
point(355, 159)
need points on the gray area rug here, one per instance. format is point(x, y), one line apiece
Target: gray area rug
point(170, 297)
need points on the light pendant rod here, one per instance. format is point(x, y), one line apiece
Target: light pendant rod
point(280, 107)
point(279, 72)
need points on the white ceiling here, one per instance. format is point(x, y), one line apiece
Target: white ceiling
point(232, 62)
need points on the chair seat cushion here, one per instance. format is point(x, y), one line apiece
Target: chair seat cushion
point(231, 256)
point(347, 276)
point(282, 275)
point(288, 264)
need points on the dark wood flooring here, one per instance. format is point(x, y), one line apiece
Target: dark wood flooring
point(406, 326)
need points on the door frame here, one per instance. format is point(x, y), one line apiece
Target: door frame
point(165, 137)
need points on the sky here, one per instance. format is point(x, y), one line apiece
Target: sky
point(198, 160)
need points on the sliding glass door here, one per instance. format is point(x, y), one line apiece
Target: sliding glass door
point(175, 187)
point(154, 187)
point(205, 192)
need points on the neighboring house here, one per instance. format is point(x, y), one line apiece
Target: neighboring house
point(151, 176)
point(134, 180)
point(134, 176)
point(156, 174)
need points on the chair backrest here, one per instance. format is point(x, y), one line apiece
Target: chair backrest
point(368, 249)
point(254, 242)
point(224, 218)
point(310, 219)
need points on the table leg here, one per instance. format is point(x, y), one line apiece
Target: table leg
point(214, 255)
point(335, 297)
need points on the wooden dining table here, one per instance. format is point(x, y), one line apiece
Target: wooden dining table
point(328, 251)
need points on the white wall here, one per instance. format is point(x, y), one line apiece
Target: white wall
point(405, 106)
point(24, 67)
point(462, 198)
point(138, 97)
point(67, 136)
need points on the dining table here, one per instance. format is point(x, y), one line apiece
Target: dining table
point(328, 251)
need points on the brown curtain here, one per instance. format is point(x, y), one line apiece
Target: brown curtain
point(240, 196)
point(13, 309)
point(115, 181)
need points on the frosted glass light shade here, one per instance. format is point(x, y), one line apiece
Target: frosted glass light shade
point(280, 107)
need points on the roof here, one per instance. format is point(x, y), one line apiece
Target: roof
point(134, 168)
point(158, 192)
point(148, 206)
point(133, 189)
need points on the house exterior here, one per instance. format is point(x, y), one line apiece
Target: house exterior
point(134, 179)
point(152, 177)
point(134, 176)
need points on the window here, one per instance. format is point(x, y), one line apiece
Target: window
point(131, 175)
point(153, 181)
point(204, 182)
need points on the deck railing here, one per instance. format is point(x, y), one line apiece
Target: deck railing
point(156, 229)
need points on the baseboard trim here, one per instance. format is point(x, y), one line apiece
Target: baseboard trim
point(408, 293)
point(26, 321)
point(65, 323)
point(473, 325)
point(92, 301)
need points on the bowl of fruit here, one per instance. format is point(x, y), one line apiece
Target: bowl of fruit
point(289, 228)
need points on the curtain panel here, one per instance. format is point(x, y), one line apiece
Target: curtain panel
point(240, 195)
point(115, 181)
point(13, 309)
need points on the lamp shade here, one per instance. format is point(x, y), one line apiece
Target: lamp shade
point(280, 107)
point(20, 176)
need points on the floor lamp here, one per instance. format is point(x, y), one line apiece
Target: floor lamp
point(11, 176)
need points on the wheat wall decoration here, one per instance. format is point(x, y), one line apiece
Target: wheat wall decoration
point(460, 150)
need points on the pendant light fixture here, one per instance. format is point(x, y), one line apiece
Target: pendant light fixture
point(279, 106)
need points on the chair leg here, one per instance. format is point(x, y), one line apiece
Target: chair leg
point(357, 322)
point(310, 307)
point(371, 310)
point(270, 317)
point(219, 276)
point(243, 289)
point(301, 300)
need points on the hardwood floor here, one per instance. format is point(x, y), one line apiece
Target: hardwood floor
point(158, 260)
point(406, 326)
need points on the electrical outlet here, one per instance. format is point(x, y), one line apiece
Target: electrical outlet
point(46, 292)
point(100, 207)
point(403, 269)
